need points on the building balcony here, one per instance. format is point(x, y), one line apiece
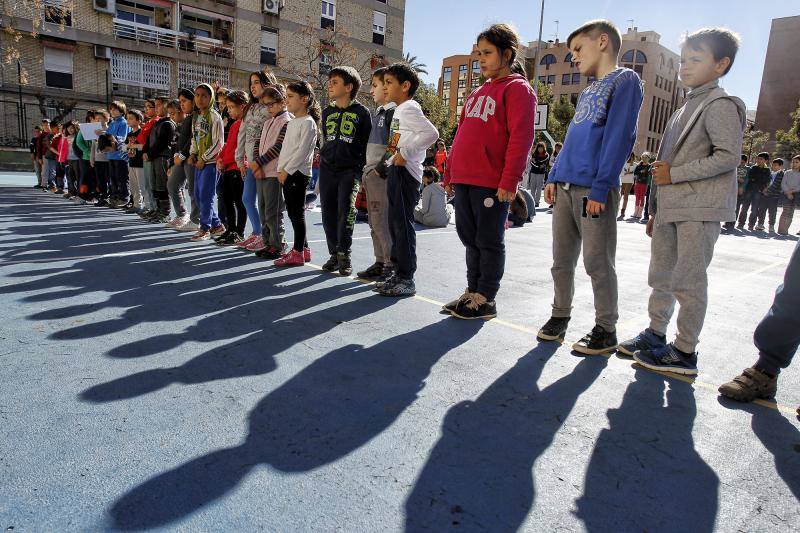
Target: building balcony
point(167, 38)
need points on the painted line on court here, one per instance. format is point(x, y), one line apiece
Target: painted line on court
point(700, 384)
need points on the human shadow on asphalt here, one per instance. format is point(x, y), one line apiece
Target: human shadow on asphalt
point(329, 409)
point(644, 473)
point(479, 476)
point(267, 334)
point(778, 435)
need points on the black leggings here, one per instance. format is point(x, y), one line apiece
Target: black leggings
point(232, 213)
point(294, 194)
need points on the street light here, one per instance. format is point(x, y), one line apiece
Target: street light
point(538, 47)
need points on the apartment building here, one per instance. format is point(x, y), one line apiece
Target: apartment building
point(81, 53)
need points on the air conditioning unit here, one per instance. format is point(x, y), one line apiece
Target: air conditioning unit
point(273, 6)
point(105, 6)
point(102, 52)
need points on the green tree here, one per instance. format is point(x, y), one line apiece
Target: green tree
point(788, 141)
point(434, 109)
point(560, 113)
point(754, 141)
point(415, 64)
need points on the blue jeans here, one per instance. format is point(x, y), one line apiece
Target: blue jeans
point(249, 200)
point(777, 337)
point(205, 194)
point(49, 171)
point(403, 193)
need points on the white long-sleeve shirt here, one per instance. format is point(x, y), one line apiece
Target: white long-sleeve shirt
point(297, 153)
point(411, 134)
point(791, 182)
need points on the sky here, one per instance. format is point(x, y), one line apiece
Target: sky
point(435, 29)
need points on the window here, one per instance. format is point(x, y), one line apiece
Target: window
point(269, 46)
point(590, 79)
point(378, 27)
point(627, 57)
point(58, 12)
point(639, 69)
point(548, 60)
point(462, 72)
point(476, 69)
point(446, 85)
point(133, 12)
point(476, 82)
point(447, 73)
point(462, 84)
point(58, 68)
point(568, 59)
point(328, 14)
point(576, 78)
point(139, 70)
point(193, 74)
point(460, 101)
point(197, 25)
point(551, 80)
point(325, 58)
point(573, 99)
point(565, 79)
point(640, 57)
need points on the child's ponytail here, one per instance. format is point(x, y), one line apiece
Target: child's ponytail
point(303, 88)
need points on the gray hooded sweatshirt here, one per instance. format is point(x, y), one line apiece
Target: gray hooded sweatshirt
point(703, 145)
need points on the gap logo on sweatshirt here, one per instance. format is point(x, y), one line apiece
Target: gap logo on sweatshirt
point(482, 108)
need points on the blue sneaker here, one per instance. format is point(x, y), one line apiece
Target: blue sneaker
point(668, 359)
point(646, 340)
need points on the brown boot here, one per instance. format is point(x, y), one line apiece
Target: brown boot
point(750, 385)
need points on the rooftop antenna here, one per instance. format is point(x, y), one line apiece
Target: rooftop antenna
point(556, 33)
point(631, 21)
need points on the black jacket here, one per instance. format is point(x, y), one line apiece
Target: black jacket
point(758, 178)
point(159, 143)
point(184, 142)
point(539, 163)
point(345, 135)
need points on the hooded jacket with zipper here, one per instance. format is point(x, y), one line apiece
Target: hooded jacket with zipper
point(208, 135)
point(161, 139)
point(271, 142)
point(703, 145)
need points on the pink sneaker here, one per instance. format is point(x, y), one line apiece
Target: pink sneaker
point(256, 245)
point(307, 255)
point(291, 259)
point(248, 241)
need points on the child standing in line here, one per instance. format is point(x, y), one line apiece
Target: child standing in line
point(135, 162)
point(86, 183)
point(160, 149)
point(231, 182)
point(641, 181)
point(182, 174)
point(118, 156)
point(692, 193)
point(247, 143)
point(151, 117)
point(410, 135)
point(771, 196)
point(627, 179)
point(487, 160)
point(63, 153)
point(790, 187)
point(584, 184)
point(207, 141)
point(374, 180)
point(72, 164)
point(265, 170)
point(99, 162)
point(346, 128)
point(294, 166)
point(538, 173)
point(51, 156)
point(758, 178)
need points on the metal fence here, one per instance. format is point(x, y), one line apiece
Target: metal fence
point(17, 123)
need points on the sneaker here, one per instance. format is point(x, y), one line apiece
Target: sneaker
point(449, 307)
point(772, 229)
point(386, 282)
point(740, 227)
point(201, 235)
point(218, 230)
point(750, 385)
point(475, 307)
point(291, 259)
point(159, 218)
point(177, 222)
point(307, 255)
point(401, 287)
point(147, 214)
point(554, 329)
point(248, 241)
point(646, 340)
point(67, 195)
point(597, 342)
point(220, 236)
point(189, 226)
point(760, 227)
point(331, 264)
point(233, 238)
point(345, 266)
point(270, 253)
point(131, 211)
point(256, 245)
point(668, 359)
point(102, 202)
point(374, 271)
point(749, 228)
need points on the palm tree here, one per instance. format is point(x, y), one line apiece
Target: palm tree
point(412, 60)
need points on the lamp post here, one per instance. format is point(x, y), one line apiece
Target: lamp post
point(538, 47)
point(23, 123)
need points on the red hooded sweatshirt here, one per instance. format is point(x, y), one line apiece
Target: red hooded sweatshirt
point(495, 135)
point(228, 152)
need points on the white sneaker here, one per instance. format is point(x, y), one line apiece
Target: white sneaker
point(189, 226)
point(177, 222)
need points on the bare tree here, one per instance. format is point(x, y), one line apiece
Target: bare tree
point(323, 49)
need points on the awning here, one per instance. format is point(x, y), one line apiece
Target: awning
point(205, 13)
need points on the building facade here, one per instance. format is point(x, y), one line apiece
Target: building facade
point(640, 51)
point(780, 83)
point(78, 54)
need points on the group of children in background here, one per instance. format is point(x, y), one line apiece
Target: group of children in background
point(265, 162)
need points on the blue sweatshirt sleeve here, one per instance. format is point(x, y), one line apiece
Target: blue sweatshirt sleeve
point(619, 135)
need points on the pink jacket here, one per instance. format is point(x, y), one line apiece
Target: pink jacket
point(269, 148)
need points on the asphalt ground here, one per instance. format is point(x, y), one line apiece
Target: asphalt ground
point(147, 382)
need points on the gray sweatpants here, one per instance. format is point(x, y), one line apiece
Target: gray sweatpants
point(598, 237)
point(270, 211)
point(378, 211)
point(680, 253)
